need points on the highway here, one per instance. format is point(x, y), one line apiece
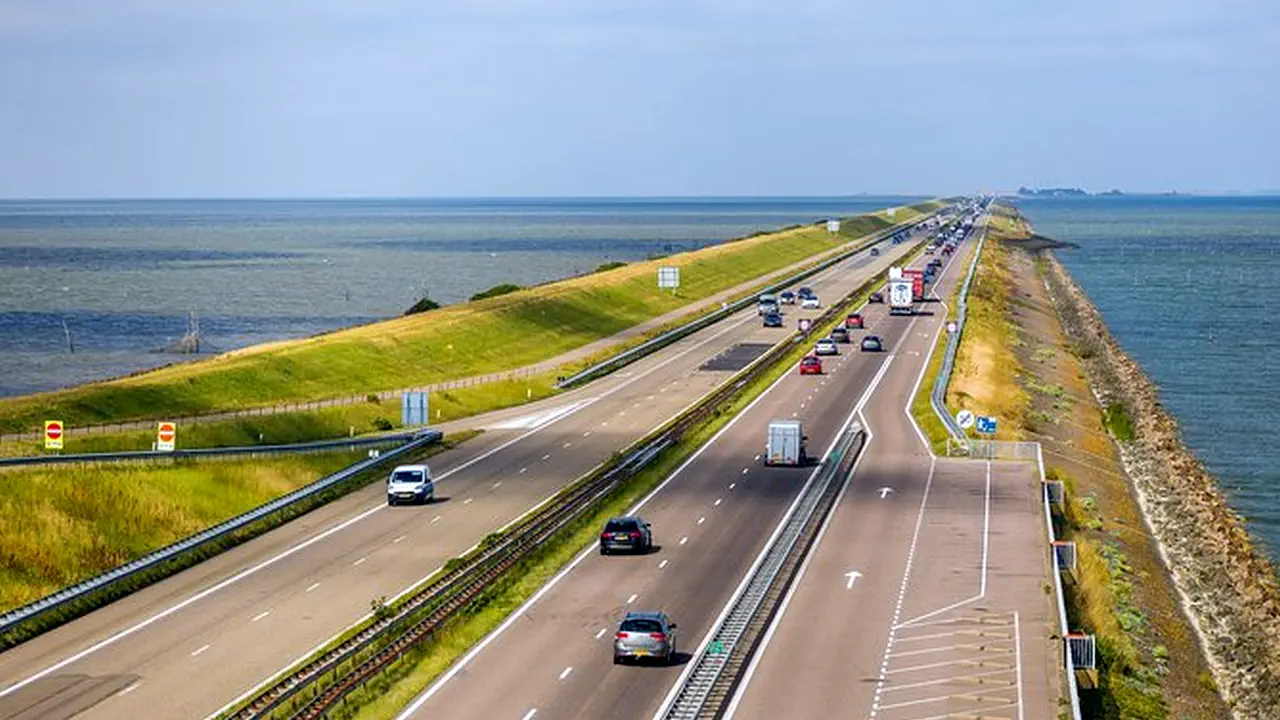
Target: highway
point(187, 646)
point(712, 518)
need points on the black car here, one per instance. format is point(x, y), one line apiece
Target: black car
point(629, 533)
point(804, 292)
point(840, 334)
point(772, 320)
point(875, 297)
point(871, 343)
point(787, 297)
point(875, 252)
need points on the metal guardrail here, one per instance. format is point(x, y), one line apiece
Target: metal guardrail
point(12, 619)
point(195, 453)
point(628, 356)
point(703, 690)
point(938, 396)
point(384, 641)
point(1059, 594)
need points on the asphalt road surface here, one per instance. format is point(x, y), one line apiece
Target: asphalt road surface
point(187, 646)
point(712, 517)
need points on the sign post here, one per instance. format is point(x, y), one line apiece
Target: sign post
point(166, 436)
point(53, 434)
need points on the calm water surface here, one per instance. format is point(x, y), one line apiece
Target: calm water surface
point(125, 275)
point(1191, 289)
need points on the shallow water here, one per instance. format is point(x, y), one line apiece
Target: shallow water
point(1189, 287)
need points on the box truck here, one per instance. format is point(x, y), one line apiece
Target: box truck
point(916, 275)
point(786, 444)
point(900, 302)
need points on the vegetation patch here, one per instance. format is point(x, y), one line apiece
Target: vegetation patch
point(496, 291)
point(499, 333)
point(1116, 419)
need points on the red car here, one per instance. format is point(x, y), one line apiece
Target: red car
point(853, 321)
point(810, 365)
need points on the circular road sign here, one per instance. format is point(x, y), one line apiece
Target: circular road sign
point(805, 324)
point(53, 430)
point(951, 327)
point(965, 419)
point(167, 432)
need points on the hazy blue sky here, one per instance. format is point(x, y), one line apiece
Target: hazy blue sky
point(648, 97)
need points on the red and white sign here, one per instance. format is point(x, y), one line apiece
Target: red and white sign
point(53, 434)
point(166, 436)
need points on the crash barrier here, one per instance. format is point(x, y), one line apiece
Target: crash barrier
point(938, 397)
point(1061, 561)
point(85, 595)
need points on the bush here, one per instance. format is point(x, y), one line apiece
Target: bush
point(495, 291)
point(423, 305)
point(609, 266)
point(382, 423)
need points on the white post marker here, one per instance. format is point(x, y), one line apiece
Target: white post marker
point(853, 575)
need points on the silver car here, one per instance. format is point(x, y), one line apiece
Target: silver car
point(645, 635)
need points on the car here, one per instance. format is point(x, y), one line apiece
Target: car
point(853, 320)
point(805, 292)
point(810, 302)
point(787, 297)
point(643, 635)
point(840, 334)
point(871, 343)
point(826, 346)
point(772, 320)
point(629, 533)
point(410, 484)
point(810, 365)
point(767, 303)
point(875, 297)
point(875, 252)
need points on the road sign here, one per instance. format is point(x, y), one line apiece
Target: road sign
point(413, 409)
point(951, 327)
point(669, 277)
point(964, 419)
point(805, 324)
point(166, 436)
point(833, 226)
point(52, 434)
point(986, 425)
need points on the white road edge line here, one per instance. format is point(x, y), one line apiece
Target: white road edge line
point(479, 647)
point(199, 650)
point(529, 715)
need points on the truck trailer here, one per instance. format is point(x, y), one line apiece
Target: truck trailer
point(786, 444)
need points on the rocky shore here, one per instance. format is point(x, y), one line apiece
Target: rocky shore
point(1228, 586)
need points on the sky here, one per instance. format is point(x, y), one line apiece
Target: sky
point(321, 98)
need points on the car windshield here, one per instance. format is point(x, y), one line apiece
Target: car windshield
point(620, 526)
point(407, 476)
point(641, 626)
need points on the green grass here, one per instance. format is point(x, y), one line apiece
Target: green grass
point(391, 690)
point(498, 333)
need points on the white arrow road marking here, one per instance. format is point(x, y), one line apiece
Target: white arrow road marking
point(852, 575)
point(884, 491)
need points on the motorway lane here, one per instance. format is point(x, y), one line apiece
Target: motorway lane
point(327, 584)
point(948, 614)
point(711, 519)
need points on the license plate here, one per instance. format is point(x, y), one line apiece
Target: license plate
point(620, 537)
point(406, 495)
point(642, 653)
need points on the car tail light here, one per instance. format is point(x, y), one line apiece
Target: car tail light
point(658, 636)
point(635, 536)
point(604, 536)
point(620, 635)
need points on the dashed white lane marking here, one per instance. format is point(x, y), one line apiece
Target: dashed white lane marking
point(718, 501)
point(467, 501)
point(663, 564)
point(199, 650)
point(795, 414)
point(622, 412)
point(631, 599)
point(129, 689)
point(398, 540)
point(260, 615)
point(586, 434)
point(732, 485)
point(648, 398)
point(497, 485)
point(435, 520)
point(757, 458)
point(744, 470)
point(312, 586)
point(604, 424)
point(601, 633)
point(361, 560)
point(524, 470)
point(701, 520)
point(529, 715)
point(547, 456)
point(684, 540)
point(567, 444)
point(565, 673)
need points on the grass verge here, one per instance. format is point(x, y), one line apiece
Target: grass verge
point(498, 333)
point(56, 533)
point(391, 690)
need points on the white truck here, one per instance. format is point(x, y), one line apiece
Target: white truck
point(901, 296)
point(786, 444)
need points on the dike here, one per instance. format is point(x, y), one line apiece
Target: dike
point(1229, 588)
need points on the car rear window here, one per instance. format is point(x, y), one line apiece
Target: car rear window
point(620, 526)
point(641, 626)
point(407, 476)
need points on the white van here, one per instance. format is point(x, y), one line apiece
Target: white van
point(410, 483)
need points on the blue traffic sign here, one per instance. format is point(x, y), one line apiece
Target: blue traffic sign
point(986, 425)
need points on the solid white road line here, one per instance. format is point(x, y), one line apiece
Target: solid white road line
point(199, 650)
point(312, 586)
point(359, 562)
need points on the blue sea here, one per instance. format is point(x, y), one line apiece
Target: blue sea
point(123, 278)
point(1190, 286)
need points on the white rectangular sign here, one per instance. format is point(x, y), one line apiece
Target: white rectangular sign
point(668, 277)
point(833, 226)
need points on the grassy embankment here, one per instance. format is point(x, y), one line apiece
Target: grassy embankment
point(499, 333)
point(59, 527)
point(389, 693)
point(1018, 362)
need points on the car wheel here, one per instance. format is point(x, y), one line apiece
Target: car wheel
point(617, 659)
point(604, 550)
point(391, 501)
